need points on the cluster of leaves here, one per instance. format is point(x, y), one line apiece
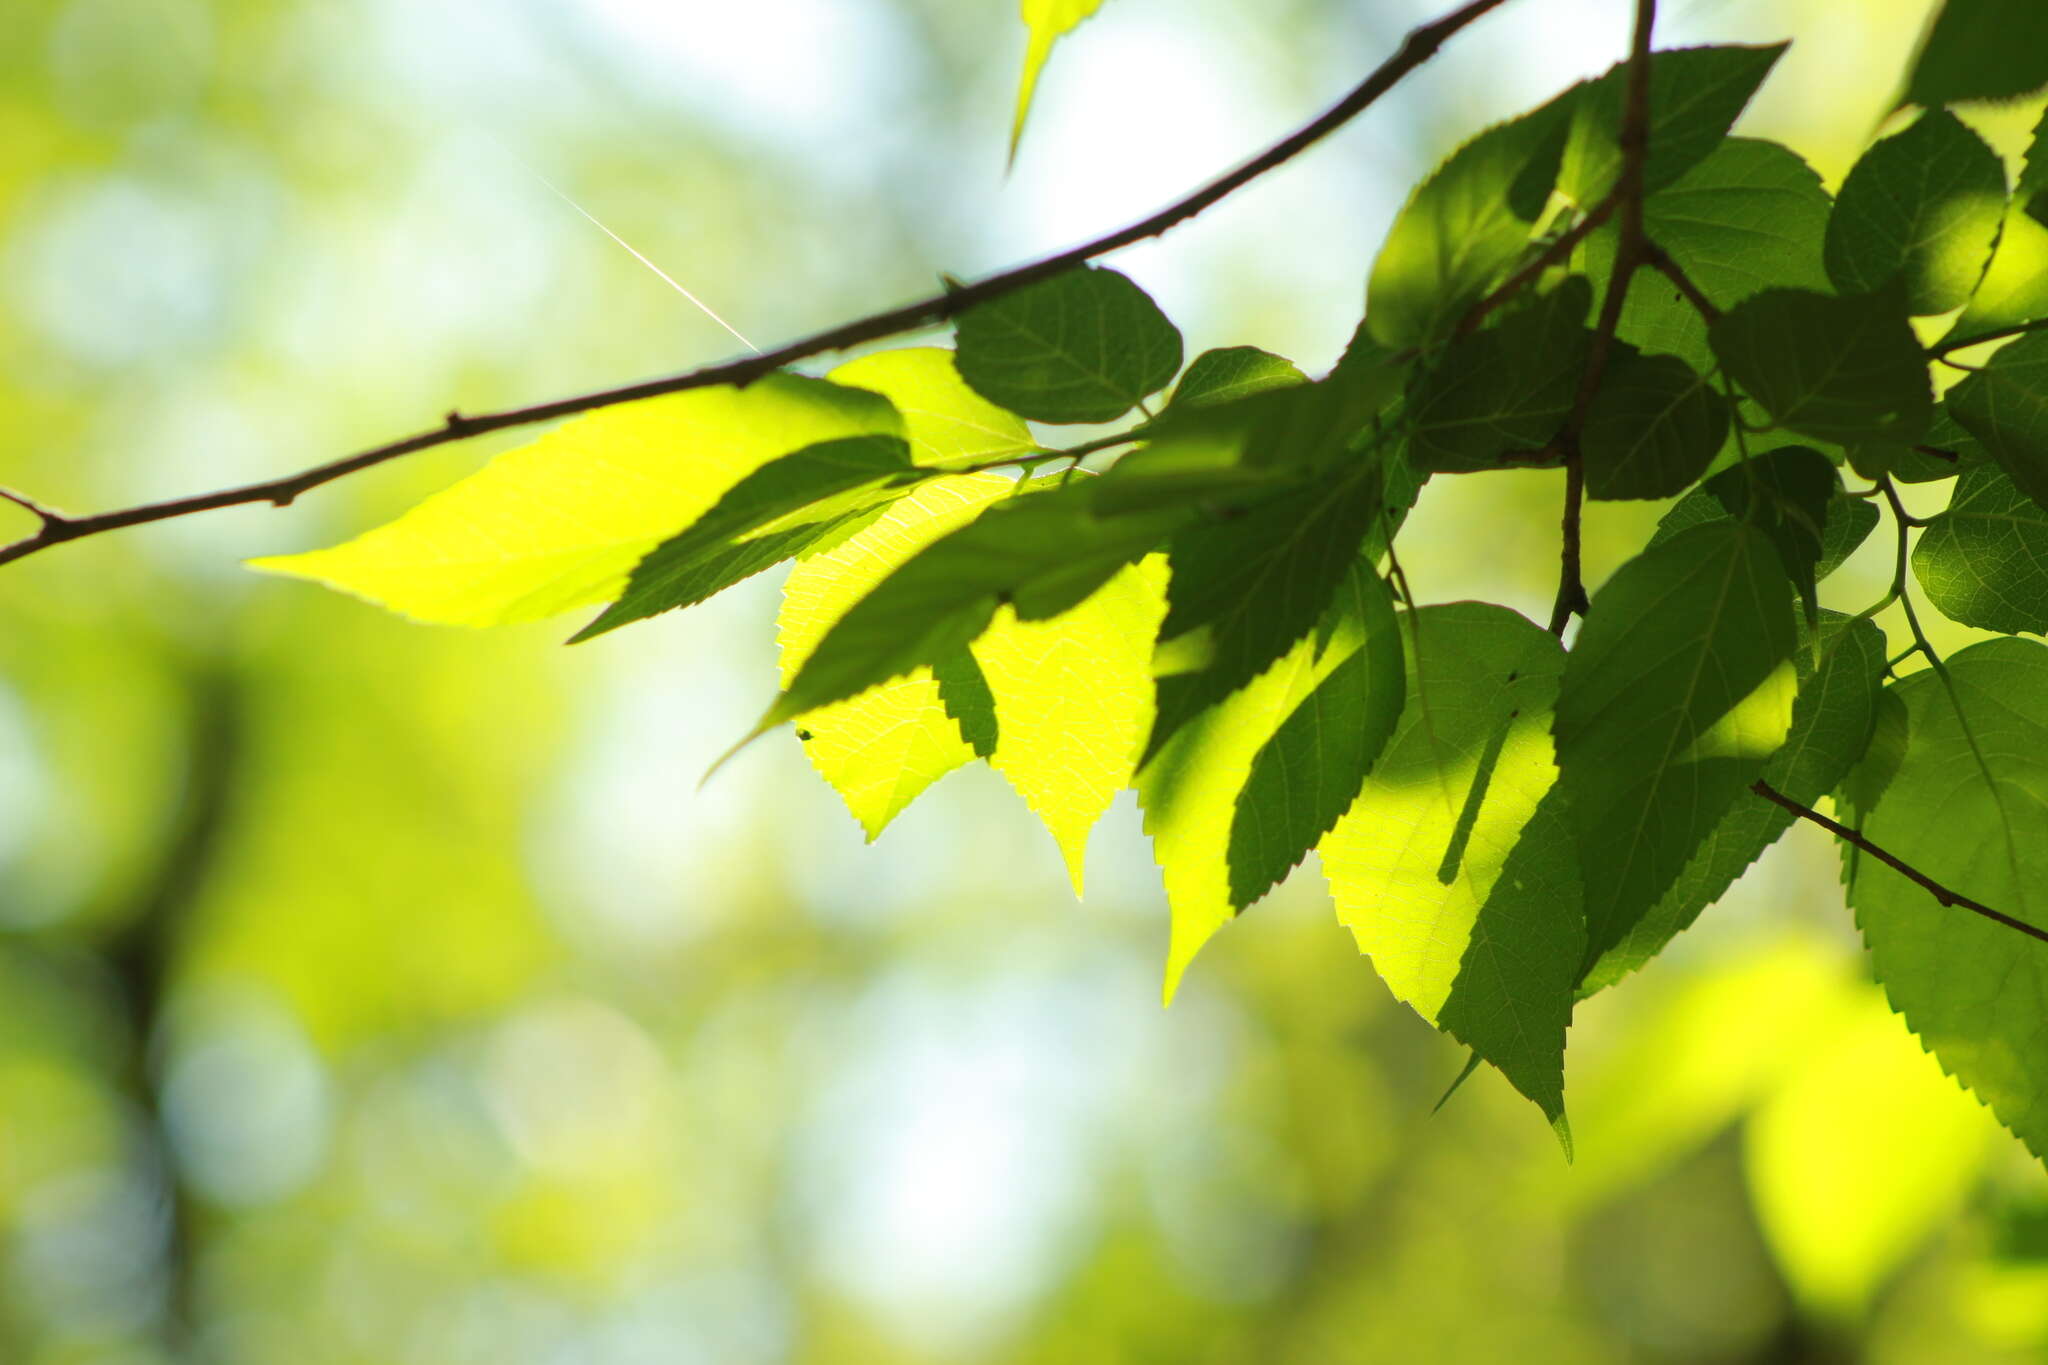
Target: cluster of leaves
point(1207, 603)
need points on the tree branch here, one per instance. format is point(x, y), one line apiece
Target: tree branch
point(1629, 252)
point(1528, 274)
point(1899, 865)
point(1659, 259)
point(1420, 45)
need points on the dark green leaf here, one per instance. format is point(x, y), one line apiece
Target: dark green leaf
point(1965, 809)
point(1832, 720)
point(1245, 448)
point(965, 695)
point(1464, 227)
point(1084, 346)
point(1455, 868)
point(1254, 585)
point(1695, 94)
point(1785, 494)
point(1847, 523)
point(1840, 369)
point(1234, 372)
point(1924, 205)
point(2005, 405)
point(1850, 520)
point(1984, 562)
point(1652, 429)
point(1310, 771)
point(1981, 50)
point(1678, 690)
point(776, 511)
point(1942, 452)
point(2031, 194)
point(1495, 397)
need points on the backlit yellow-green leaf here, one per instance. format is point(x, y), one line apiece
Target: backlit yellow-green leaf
point(946, 423)
point(2015, 285)
point(560, 523)
point(1073, 701)
point(1048, 21)
point(1189, 789)
point(881, 749)
point(1453, 869)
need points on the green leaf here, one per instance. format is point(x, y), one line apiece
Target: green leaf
point(2005, 405)
point(1073, 701)
point(1233, 372)
point(773, 513)
point(1750, 217)
point(1981, 50)
point(1254, 585)
point(947, 423)
point(1945, 450)
point(1652, 429)
point(1465, 226)
point(1309, 772)
point(1785, 494)
point(1839, 369)
point(1678, 690)
point(1696, 93)
point(2031, 194)
point(1086, 345)
point(1832, 720)
point(560, 523)
point(1865, 784)
point(1965, 809)
point(883, 748)
point(2014, 290)
point(1984, 561)
point(1850, 520)
point(1452, 869)
point(1047, 21)
point(803, 500)
point(1924, 205)
point(964, 693)
point(1501, 392)
point(1242, 449)
point(1189, 790)
point(1042, 552)
point(1846, 521)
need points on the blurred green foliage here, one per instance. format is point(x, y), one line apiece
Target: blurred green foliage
point(371, 993)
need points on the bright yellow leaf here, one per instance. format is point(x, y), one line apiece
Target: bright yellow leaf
point(881, 749)
point(1049, 21)
point(1074, 700)
point(1189, 792)
point(946, 423)
point(560, 523)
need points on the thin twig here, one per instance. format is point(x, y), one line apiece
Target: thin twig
point(1528, 274)
point(29, 504)
point(1941, 349)
point(1899, 865)
point(1660, 259)
point(1628, 254)
point(1420, 45)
